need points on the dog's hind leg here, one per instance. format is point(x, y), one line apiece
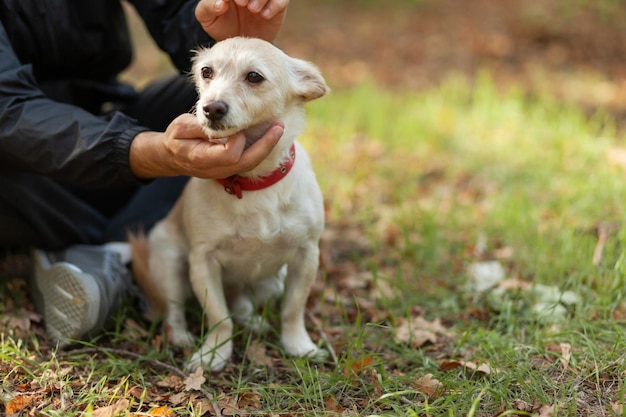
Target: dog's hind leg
point(270, 288)
point(243, 310)
point(167, 265)
point(301, 273)
point(245, 302)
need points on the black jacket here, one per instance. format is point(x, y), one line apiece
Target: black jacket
point(59, 60)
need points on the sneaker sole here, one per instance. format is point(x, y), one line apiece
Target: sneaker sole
point(68, 299)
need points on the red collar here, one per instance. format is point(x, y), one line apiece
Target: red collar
point(235, 184)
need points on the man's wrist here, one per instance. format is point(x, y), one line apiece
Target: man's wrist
point(146, 158)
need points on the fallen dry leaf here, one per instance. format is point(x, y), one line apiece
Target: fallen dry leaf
point(617, 408)
point(545, 411)
point(418, 331)
point(356, 366)
point(257, 354)
point(112, 410)
point(20, 321)
point(195, 380)
point(565, 349)
point(331, 405)
point(249, 400)
point(163, 411)
point(483, 368)
point(18, 404)
point(228, 406)
point(522, 405)
point(138, 392)
point(171, 381)
point(429, 386)
point(179, 398)
point(203, 405)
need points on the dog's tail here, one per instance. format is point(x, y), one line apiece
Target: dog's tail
point(141, 272)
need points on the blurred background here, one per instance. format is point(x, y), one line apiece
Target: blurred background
point(572, 49)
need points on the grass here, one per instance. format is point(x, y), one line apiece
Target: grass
point(419, 185)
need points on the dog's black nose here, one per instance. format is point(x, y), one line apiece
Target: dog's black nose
point(215, 110)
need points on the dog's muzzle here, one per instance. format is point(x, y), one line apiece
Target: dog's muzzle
point(215, 110)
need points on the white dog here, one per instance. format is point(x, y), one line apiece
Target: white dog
point(244, 239)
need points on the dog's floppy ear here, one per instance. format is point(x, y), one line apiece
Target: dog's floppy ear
point(307, 80)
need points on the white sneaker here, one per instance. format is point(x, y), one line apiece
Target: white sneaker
point(77, 290)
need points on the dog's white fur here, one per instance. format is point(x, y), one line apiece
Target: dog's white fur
point(239, 252)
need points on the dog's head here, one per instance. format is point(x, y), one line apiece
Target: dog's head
point(245, 84)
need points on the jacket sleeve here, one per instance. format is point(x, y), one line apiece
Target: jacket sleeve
point(173, 25)
point(64, 142)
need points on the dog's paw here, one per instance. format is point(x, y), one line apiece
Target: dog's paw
point(180, 337)
point(303, 348)
point(320, 355)
point(212, 359)
point(255, 323)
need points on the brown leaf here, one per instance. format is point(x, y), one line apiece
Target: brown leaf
point(357, 365)
point(333, 406)
point(203, 406)
point(566, 352)
point(112, 410)
point(20, 321)
point(18, 404)
point(429, 386)
point(522, 405)
point(617, 408)
point(171, 381)
point(161, 411)
point(138, 393)
point(249, 400)
point(565, 349)
point(227, 405)
point(257, 354)
point(545, 411)
point(195, 380)
point(178, 399)
point(418, 331)
point(483, 368)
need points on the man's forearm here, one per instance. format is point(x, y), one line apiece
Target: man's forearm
point(148, 159)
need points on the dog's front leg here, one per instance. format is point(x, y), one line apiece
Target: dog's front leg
point(206, 281)
point(301, 274)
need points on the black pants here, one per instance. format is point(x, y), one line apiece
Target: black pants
point(37, 211)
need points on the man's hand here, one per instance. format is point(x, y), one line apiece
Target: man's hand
point(223, 19)
point(184, 150)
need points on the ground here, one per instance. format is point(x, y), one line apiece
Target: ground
point(573, 50)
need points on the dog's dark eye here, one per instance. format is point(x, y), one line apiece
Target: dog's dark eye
point(207, 73)
point(254, 78)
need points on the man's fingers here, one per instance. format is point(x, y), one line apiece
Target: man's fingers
point(195, 155)
point(234, 149)
point(262, 148)
point(256, 6)
point(207, 11)
point(272, 7)
point(185, 128)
